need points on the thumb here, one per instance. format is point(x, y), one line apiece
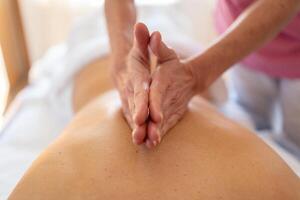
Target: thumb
point(141, 39)
point(160, 49)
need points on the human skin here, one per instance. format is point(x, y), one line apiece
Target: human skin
point(205, 156)
point(130, 64)
point(258, 24)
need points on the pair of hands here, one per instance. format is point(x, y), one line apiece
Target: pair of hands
point(153, 103)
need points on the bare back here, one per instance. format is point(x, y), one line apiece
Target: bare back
point(205, 156)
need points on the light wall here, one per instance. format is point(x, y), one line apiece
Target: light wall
point(47, 22)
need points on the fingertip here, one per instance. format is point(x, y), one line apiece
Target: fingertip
point(136, 141)
point(154, 134)
point(139, 134)
point(149, 144)
point(140, 26)
point(156, 36)
point(142, 35)
point(155, 41)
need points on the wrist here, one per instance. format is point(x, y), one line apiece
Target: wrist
point(117, 73)
point(119, 56)
point(193, 80)
point(117, 69)
point(118, 78)
point(202, 73)
point(121, 46)
point(118, 62)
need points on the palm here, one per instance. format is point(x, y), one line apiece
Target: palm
point(133, 84)
point(171, 89)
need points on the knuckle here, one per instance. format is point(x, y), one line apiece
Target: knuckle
point(136, 56)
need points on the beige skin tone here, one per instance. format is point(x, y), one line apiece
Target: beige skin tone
point(257, 25)
point(205, 156)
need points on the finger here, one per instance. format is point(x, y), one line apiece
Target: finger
point(138, 113)
point(141, 40)
point(138, 131)
point(160, 49)
point(156, 95)
point(130, 100)
point(149, 144)
point(141, 101)
point(154, 135)
point(139, 134)
point(141, 86)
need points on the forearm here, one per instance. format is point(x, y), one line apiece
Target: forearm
point(120, 19)
point(256, 26)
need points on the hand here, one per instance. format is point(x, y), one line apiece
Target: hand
point(172, 87)
point(132, 79)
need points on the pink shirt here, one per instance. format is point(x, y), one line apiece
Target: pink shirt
point(280, 57)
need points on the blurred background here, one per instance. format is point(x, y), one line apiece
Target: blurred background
point(33, 26)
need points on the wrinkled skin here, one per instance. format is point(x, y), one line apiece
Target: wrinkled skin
point(171, 89)
point(132, 82)
point(153, 103)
